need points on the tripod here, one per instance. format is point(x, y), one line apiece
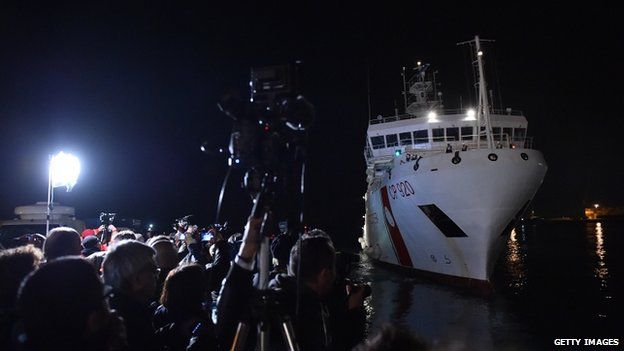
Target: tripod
point(266, 309)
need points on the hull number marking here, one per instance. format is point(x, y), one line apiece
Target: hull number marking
point(402, 189)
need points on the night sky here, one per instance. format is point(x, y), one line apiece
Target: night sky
point(133, 92)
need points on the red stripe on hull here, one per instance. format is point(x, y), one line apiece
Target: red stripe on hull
point(395, 234)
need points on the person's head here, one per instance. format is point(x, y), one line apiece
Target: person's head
point(166, 252)
point(15, 264)
point(35, 240)
point(130, 267)
point(184, 289)
point(317, 267)
point(62, 306)
point(62, 241)
point(123, 235)
point(91, 244)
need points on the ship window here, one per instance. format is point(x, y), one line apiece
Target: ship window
point(421, 136)
point(391, 140)
point(405, 138)
point(438, 134)
point(496, 133)
point(467, 133)
point(452, 134)
point(507, 132)
point(519, 134)
point(378, 142)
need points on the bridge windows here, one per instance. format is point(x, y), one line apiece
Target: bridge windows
point(496, 133)
point(519, 134)
point(378, 142)
point(421, 136)
point(392, 140)
point(452, 134)
point(507, 133)
point(405, 138)
point(467, 133)
point(438, 134)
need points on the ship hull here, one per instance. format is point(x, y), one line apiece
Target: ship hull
point(450, 219)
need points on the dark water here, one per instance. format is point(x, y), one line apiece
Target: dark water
point(555, 280)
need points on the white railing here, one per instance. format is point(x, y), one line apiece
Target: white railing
point(379, 119)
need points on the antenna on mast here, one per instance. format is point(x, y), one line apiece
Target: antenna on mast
point(368, 91)
point(483, 110)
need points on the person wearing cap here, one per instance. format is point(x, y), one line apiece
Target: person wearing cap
point(91, 245)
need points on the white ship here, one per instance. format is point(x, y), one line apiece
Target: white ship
point(445, 187)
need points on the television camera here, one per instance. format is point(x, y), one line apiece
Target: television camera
point(269, 140)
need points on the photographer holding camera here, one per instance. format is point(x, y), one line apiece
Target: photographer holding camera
point(104, 232)
point(301, 296)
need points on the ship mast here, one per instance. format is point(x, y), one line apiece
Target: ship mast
point(483, 109)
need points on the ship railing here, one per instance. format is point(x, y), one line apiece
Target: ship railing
point(448, 145)
point(380, 119)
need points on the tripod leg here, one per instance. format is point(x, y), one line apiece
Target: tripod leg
point(240, 337)
point(263, 337)
point(288, 333)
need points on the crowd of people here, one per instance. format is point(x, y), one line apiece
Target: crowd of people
point(191, 290)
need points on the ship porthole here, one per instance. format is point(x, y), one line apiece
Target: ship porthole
point(456, 159)
point(493, 157)
point(524, 156)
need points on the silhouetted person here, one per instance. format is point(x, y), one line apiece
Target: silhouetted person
point(316, 277)
point(62, 241)
point(63, 308)
point(15, 264)
point(166, 257)
point(131, 271)
point(182, 313)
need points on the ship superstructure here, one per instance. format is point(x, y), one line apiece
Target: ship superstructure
point(446, 186)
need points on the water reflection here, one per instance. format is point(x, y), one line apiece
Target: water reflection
point(601, 271)
point(516, 261)
point(443, 316)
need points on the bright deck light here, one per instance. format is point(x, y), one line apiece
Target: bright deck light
point(470, 115)
point(64, 170)
point(432, 116)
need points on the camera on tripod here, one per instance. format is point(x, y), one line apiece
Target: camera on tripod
point(107, 218)
point(268, 140)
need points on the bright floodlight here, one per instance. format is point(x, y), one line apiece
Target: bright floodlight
point(596, 205)
point(64, 170)
point(470, 115)
point(432, 116)
point(480, 53)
